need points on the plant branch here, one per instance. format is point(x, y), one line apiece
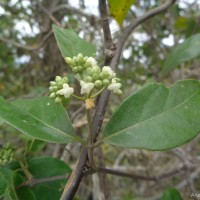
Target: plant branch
point(32, 182)
point(29, 48)
point(53, 19)
point(141, 177)
point(126, 33)
point(73, 10)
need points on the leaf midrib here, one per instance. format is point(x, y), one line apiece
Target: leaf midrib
point(46, 124)
point(174, 108)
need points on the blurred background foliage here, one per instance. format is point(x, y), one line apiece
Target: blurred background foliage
point(30, 58)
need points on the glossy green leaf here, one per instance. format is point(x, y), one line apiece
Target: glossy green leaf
point(43, 167)
point(170, 194)
point(40, 118)
point(119, 9)
point(70, 44)
point(185, 51)
point(156, 117)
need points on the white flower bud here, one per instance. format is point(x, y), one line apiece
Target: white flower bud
point(58, 100)
point(69, 61)
point(52, 95)
point(52, 83)
point(114, 86)
point(90, 62)
point(58, 79)
point(80, 56)
point(66, 91)
point(107, 70)
point(86, 87)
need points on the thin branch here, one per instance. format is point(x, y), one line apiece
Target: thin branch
point(32, 182)
point(74, 11)
point(110, 47)
point(53, 19)
point(127, 32)
point(29, 48)
point(141, 177)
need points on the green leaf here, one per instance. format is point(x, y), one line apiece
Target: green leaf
point(119, 9)
point(40, 118)
point(7, 184)
point(25, 193)
point(170, 194)
point(5, 179)
point(70, 44)
point(156, 117)
point(43, 167)
point(36, 146)
point(185, 51)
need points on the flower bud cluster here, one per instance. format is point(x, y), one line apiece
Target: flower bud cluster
point(79, 63)
point(60, 90)
point(6, 155)
point(92, 78)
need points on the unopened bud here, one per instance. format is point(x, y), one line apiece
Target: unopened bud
point(58, 78)
point(106, 82)
point(98, 83)
point(52, 95)
point(69, 61)
point(58, 100)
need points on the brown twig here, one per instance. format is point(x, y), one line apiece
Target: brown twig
point(29, 48)
point(73, 10)
point(53, 19)
point(141, 177)
point(32, 182)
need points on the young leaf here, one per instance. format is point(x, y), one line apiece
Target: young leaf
point(156, 117)
point(170, 194)
point(119, 8)
point(185, 51)
point(70, 44)
point(40, 118)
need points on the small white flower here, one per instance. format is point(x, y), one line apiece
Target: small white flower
point(86, 87)
point(114, 86)
point(66, 91)
point(91, 61)
point(109, 71)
